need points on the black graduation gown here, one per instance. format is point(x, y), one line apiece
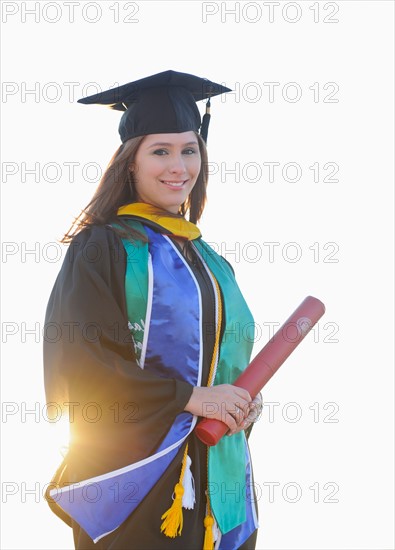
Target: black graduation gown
point(118, 412)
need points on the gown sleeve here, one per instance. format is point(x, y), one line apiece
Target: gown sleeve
point(118, 412)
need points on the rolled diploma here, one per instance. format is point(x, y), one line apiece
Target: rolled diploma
point(268, 361)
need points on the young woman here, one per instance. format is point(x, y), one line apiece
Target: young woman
point(143, 337)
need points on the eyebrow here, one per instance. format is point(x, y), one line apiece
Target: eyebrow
point(162, 143)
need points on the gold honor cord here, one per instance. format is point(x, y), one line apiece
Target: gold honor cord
point(208, 543)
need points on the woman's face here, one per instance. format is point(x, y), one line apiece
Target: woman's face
point(166, 168)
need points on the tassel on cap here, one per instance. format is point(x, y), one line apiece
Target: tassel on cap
point(205, 122)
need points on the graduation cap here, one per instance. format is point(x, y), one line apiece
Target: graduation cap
point(160, 104)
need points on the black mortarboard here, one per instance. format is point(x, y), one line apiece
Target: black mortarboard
point(160, 104)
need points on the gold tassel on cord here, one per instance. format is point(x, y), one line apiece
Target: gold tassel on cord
point(208, 543)
point(173, 520)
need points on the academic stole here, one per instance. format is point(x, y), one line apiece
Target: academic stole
point(229, 472)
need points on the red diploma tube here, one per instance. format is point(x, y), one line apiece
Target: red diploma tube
point(268, 361)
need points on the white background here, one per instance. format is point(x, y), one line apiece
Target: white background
point(345, 367)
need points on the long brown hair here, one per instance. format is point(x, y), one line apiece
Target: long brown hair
point(117, 188)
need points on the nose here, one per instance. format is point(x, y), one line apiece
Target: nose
point(177, 164)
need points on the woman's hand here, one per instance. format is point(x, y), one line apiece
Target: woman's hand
point(230, 404)
point(254, 413)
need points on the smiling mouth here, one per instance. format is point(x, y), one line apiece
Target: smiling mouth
point(174, 184)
